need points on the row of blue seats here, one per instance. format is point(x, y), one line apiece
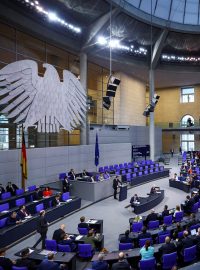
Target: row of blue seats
point(20, 191)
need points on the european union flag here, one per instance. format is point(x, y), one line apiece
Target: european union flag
point(96, 151)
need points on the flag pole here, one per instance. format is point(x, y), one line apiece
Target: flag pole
point(22, 174)
point(23, 161)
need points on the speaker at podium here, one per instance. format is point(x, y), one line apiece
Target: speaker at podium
point(122, 192)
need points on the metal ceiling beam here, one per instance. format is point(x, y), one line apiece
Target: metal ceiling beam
point(97, 27)
point(158, 48)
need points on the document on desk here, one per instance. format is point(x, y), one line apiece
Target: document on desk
point(78, 237)
point(158, 192)
point(35, 201)
point(4, 211)
point(92, 221)
point(69, 200)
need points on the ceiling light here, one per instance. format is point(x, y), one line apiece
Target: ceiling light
point(102, 40)
point(52, 16)
point(114, 43)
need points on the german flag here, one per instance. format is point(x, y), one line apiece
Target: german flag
point(23, 157)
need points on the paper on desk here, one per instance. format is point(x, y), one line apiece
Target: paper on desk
point(92, 221)
point(78, 237)
point(158, 192)
point(44, 252)
point(31, 250)
point(4, 211)
point(28, 217)
point(69, 200)
point(35, 201)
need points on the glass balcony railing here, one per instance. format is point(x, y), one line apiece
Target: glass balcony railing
point(177, 125)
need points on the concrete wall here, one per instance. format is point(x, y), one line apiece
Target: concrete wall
point(44, 164)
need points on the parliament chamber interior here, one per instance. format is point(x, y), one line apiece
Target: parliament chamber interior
point(103, 170)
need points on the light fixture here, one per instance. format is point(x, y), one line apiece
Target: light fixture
point(52, 16)
point(106, 103)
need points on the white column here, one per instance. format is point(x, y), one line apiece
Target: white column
point(152, 123)
point(83, 81)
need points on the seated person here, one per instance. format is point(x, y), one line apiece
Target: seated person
point(48, 263)
point(56, 200)
point(38, 195)
point(153, 190)
point(67, 240)
point(100, 264)
point(164, 230)
point(23, 212)
point(175, 177)
point(187, 207)
point(101, 177)
point(24, 261)
point(13, 219)
point(121, 264)
point(90, 239)
point(11, 188)
point(144, 234)
point(47, 192)
point(192, 220)
point(147, 251)
point(66, 184)
point(83, 224)
point(178, 209)
point(177, 230)
point(186, 242)
point(72, 175)
point(58, 233)
point(167, 247)
point(165, 212)
point(2, 189)
point(126, 238)
point(152, 216)
point(85, 173)
point(134, 199)
point(6, 263)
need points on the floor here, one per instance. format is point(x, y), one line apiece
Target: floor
point(114, 214)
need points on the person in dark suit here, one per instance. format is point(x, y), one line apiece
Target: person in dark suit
point(152, 216)
point(82, 223)
point(197, 242)
point(38, 195)
point(67, 240)
point(134, 199)
point(164, 230)
point(188, 205)
point(23, 212)
point(126, 238)
point(58, 233)
point(177, 230)
point(5, 262)
point(42, 228)
point(24, 261)
point(115, 186)
point(153, 190)
point(85, 173)
point(66, 184)
point(168, 247)
point(11, 188)
point(144, 234)
point(72, 175)
point(56, 200)
point(186, 242)
point(49, 263)
point(165, 212)
point(2, 189)
point(13, 219)
point(100, 264)
point(122, 264)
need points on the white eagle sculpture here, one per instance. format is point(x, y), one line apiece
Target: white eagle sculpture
point(45, 102)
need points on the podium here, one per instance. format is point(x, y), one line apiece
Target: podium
point(122, 192)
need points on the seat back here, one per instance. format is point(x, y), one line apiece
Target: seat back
point(169, 260)
point(153, 224)
point(19, 191)
point(62, 176)
point(180, 235)
point(65, 196)
point(20, 202)
point(64, 248)
point(19, 268)
point(137, 227)
point(195, 207)
point(83, 231)
point(128, 177)
point(167, 220)
point(125, 246)
point(4, 207)
point(3, 222)
point(51, 245)
point(32, 188)
point(142, 241)
point(189, 254)
point(39, 207)
point(85, 250)
point(148, 264)
point(161, 238)
point(5, 195)
point(178, 216)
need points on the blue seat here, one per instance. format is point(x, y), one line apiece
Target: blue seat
point(51, 245)
point(128, 177)
point(151, 171)
point(142, 241)
point(65, 196)
point(32, 188)
point(161, 238)
point(125, 246)
point(149, 264)
point(123, 172)
point(195, 207)
point(5, 195)
point(161, 168)
point(83, 231)
point(167, 220)
point(39, 207)
point(137, 227)
point(19, 191)
point(189, 254)
point(140, 174)
point(134, 175)
point(153, 224)
point(85, 250)
point(62, 176)
point(20, 202)
point(3, 222)
point(180, 235)
point(4, 207)
point(145, 172)
point(169, 260)
point(178, 216)
point(64, 248)
point(101, 170)
point(19, 268)
point(111, 168)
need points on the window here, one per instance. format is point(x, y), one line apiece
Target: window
point(4, 136)
point(187, 142)
point(187, 121)
point(187, 95)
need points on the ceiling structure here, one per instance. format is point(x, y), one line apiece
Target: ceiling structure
point(171, 27)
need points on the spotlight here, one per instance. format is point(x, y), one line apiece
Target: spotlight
point(52, 16)
point(101, 40)
point(155, 99)
point(111, 90)
point(114, 80)
point(106, 103)
point(146, 111)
